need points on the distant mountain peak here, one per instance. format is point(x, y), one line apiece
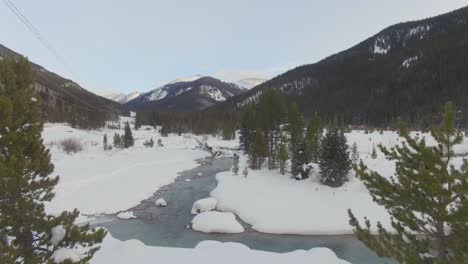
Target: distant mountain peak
point(249, 83)
point(187, 79)
point(121, 97)
point(186, 94)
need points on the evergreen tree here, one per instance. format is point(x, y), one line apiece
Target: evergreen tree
point(25, 185)
point(374, 153)
point(247, 129)
point(300, 162)
point(127, 138)
point(354, 154)
point(104, 142)
point(334, 158)
point(258, 151)
point(283, 154)
point(314, 135)
point(138, 121)
point(235, 165)
point(295, 125)
point(296, 129)
point(426, 197)
point(228, 130)
point(117, 140)
point(245, 172)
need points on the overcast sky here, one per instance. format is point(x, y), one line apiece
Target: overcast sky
point(114, 45)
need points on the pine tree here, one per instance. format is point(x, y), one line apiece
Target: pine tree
point(314, 135)
point(295, 125)
point(258, 151)
point(300, 162)
point(354, 154)
point(296, 129)
point(283, 154)
point(245, 172)
point(25, 184)
point(235, 165)
point(128, 140)
point(426, 197)
point(104, 142)
point(247, 128)
point(117, 140)
point(334, 159)
point(374, 153)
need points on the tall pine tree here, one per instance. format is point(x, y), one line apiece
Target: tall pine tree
point(426, 198)
point(296, 131)
point(128, 140)
point(334, 158)
point(282, 154)
point(258, 150)
point(25, 185)
point(313, 136)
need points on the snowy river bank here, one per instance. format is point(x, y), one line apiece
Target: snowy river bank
point(166, 226)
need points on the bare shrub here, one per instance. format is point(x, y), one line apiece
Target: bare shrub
point(71, 145)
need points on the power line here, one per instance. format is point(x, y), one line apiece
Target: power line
point(47, 44)
point(36, 32)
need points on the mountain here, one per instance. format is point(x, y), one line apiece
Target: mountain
point(186, 95)
point(409, 69)
point(63, 100)
point(249, 83)
point(121, 97)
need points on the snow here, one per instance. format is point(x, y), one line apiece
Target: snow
point(126, 215)
point(63, 254)
point(308, 207)
point(158, 94)
point(212, 92)
point(249, 83)
point(160, 202)
point(409, 61)
point(57, 233)
point(204, 205)
point(420, 31)
point(206, 252)
point(187, 79)
point(95, 181)
point(121, 97)
point(381, 45)
point(216, 222)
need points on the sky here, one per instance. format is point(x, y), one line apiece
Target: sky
point(125, 46)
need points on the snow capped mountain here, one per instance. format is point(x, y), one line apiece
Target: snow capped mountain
point(186, 94)
point(121, 97)
point(188, 79)
point(249, 83)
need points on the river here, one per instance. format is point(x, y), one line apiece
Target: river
point(166, 226)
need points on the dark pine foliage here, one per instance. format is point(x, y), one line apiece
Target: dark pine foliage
point(334, 158)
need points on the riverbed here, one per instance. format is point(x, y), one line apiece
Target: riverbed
point(167, 226)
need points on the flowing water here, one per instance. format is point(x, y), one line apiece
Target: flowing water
point(167, 226)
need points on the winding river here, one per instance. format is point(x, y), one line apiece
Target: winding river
point(166, 226)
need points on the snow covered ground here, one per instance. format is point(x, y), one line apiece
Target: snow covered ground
point(207, 252)
point(274, 203)
point(95, 181)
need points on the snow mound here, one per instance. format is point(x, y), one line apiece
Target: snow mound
point(216, 222)
point(204, 205)
point(63, 254)
point(161, 202)
point(58, 233)
point(126, 215)
point(207, 252)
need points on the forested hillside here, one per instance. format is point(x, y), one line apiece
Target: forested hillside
point(409, 70)
point(66, 101)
